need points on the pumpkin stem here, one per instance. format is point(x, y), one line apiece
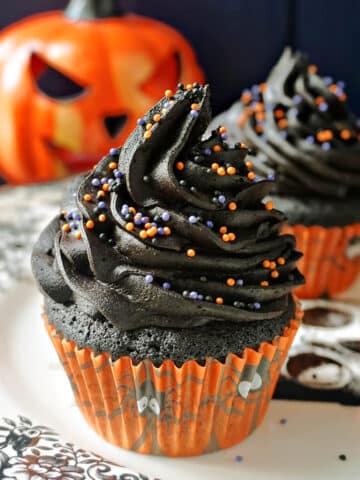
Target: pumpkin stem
point(93, 9)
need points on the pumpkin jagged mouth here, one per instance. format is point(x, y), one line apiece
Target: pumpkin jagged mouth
point(75, 162)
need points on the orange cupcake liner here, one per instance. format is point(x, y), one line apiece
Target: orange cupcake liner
point(325, 263)
point(170, 410)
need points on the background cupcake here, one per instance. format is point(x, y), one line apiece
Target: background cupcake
point(168, 287)
point(307, 140)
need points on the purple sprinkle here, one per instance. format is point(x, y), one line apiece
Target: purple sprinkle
point(104, 180)
point(224, 136)
point(160, 231)
point(292, 112)
point(338, 92)
point(141, 122)
point(200, 297)
point(145, 220)
point(149, 278)
point(166, 285)
point(310, 139)
point(269, 108)
point(323, 107)
point(73, 225)
point(239, 282)
point(114, 151)
point(207, 151)
point(117, 174)
point(137, 221)
point(95, 182)
point(165, 216)
point(69, 216)
point(257, 179)
point(271, 177)
point(210, 224)
point(101, 205)
point(283, 134)
point(194, 113)
point(154, 224)
point(341, 84)
point(167, 105)
point(283, 421)
point(297, 99)
point(76, 216)
point(257, 306)
point(328, 81)
point(326, 146)
point(111, 181)
point(255, 89)
point(239, 458)
point(193, 295)
point(192, 219)
point(221, 198)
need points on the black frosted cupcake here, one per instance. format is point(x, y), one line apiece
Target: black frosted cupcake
point(166, 271)
point(305, 138)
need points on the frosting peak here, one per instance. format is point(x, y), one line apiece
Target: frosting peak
point(170, 230)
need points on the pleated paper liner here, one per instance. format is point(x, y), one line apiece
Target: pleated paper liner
point(327, 263)
point(170, 410)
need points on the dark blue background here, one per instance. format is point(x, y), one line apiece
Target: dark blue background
point(237, 41)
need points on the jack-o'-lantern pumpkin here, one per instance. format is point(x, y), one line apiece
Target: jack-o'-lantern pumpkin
point(73, 83)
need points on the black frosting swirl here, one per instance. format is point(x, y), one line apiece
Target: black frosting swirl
point(301, 129)
point(170, 230)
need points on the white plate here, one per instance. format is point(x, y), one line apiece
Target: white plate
point(32, 383)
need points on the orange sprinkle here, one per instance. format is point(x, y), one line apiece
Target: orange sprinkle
point(242, 119)
point(180, 165)
point(223, 229)
point(106, 187)
point(342, 97)
point(157, 117)
point(190, 252)
point(195, 106)
point(219, 300)
point(283, 123)
point(258, 107)
point(168, 93)
point(152, 232)
point(217, 148)
point(89, 224)
point(260, 116)
point(149, 126)
point(262, 87)
point(230, 282)
point(272, 265)
point(78, 235)
point(264, 283)
point(225, 238)
point(274, 274)
point(112, 165)
point(147, 135)
point(167, 231)
point(251, 175)
point(231, 170)
point(319, 100)
point(269, 205)
point(102, 217)
point(279, 113)
point(221, 171)
point(281, 261)
point(147, 226)
point(345, 134)
point(66, 228)
point(143, 234)
point(232, 206)
point(324, 135)
point(100, 193)
point(259, 128)
point(333, 88)
point(222, 130)
point(266, 264)
point(232, 236)
point(63, 213)
point(132, 209)
point(246, 97)
point(87, 197)
point(312, 68)
point(214, 166)
point(249, 165)
point(243, 145)
point(189, 86)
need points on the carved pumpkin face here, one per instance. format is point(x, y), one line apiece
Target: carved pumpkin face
point(70, 90)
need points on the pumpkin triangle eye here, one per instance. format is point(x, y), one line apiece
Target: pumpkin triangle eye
point(52, 82)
